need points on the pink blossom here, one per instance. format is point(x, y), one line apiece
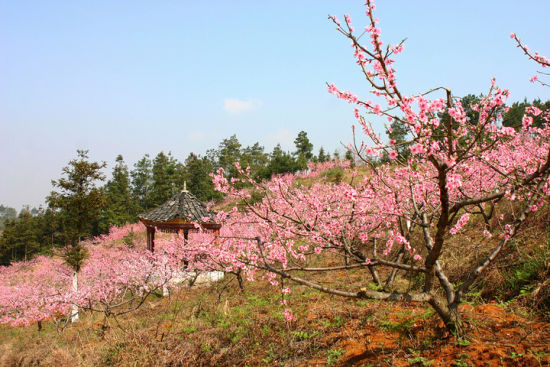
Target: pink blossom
point(527, 121)
point(454, 181)
point(347, 18)
point(460, 223)
point(417, 149)
point(289, 316)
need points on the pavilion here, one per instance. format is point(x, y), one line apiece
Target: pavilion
point(179, 214)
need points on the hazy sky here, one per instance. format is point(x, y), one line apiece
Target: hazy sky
point(136, 77)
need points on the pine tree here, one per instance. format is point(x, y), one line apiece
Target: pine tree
point(78, 204)
point(255, 157)
point(197, 175)
point(6, 213)
point(280, 162)
point(167, 178)
point(142, 180)
point(229, 152)
point(78, 201)
point(322, 157)
point(119, 208)
point(304, 150)
point(349, 156)
point(28, 236)
point(399, 134)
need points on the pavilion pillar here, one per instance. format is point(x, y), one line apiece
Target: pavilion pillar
point(186, 234)
point(151, 238)
point(217, 234)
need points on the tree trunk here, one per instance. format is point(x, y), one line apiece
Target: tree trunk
point(240, 279)
point(448, 314)
point(74, 312)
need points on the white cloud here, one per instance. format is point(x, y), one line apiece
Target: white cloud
point(236, 106)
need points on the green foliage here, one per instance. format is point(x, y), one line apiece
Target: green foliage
point(129, 239)
point(26, 236)
point(399, 134)
point(519, 279)
point(461, 361)
point(167, 178)
point(403, 327)
point(322, 156)
point(255, 158)
point(375, 287)
point(74, 256)
point(229, 152)
point(189, 329)
point(463, 342)
point(472, 116)
point(280, 162)
point(120, 207)
point(270, 356)
point(6, 213)
point(333, 355)
point(337, 321)
point(304, 148)
point(142, 179)
point(110, 356)
point(514, 116)
point(418, 360)
point(78, 202)
point(304, 335)
point(335, 174)
point(349, 156)
point(197, 175)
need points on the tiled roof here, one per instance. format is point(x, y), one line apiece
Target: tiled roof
point(183, 205)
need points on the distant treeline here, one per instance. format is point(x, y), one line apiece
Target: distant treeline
point(82, 206)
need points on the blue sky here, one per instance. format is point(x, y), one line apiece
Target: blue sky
point(136, 77)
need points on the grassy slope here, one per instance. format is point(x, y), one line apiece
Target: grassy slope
point(219, 325)
point(222, 326)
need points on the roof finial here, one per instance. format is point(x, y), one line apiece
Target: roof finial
point(184, 187)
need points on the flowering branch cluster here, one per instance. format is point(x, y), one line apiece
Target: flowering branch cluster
point(541, 60)
point(115, 278)
point(458, 169)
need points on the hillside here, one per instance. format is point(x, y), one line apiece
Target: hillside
point(220, 326)
point(506, 323)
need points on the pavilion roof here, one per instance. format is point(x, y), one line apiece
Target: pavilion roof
point(183, 205)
